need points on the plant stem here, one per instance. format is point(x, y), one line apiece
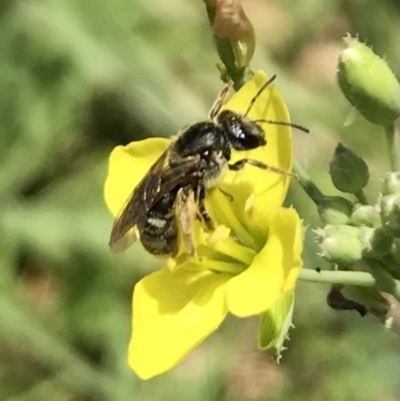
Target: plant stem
point(393, 147)
point(360, 279)
point(307, 183)
point(360, 195)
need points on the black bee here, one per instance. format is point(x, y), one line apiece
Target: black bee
point(172, 193)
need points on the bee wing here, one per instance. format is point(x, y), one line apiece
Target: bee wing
point(157, 182)
point(136, 206)
point(124, 241)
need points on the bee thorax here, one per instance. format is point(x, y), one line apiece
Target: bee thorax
point(216, 169)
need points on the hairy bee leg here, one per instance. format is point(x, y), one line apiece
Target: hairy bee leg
point(241, 163)
point(227, 194)
point(204, 216)
point(216, 107)
point(186, 211)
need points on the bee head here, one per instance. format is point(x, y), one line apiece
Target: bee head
point(242, 133)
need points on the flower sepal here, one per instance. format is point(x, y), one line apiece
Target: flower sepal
point(335, 210)
point(349, 172)
point(274, 326)
point(340, 244)
point(366, 215)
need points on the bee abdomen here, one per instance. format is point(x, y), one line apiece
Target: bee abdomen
point(160, 241)
point(159, 234)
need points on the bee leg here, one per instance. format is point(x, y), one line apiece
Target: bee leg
point(241, 163)
point(204, 216)
point(216, 107)
point(186, 210)
point(227, 194)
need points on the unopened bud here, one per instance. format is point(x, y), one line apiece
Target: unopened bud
point(377, 242)
point(390, 214)
point(368, 83)
point(335, 210)
point(234, 37)
point(366, 215)
point(341, 244)
point(349, 172)
point(391, 184)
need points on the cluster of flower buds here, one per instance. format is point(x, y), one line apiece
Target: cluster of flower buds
point(356, 231)
point(358, 235)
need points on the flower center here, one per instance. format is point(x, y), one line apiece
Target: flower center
point(232, 246)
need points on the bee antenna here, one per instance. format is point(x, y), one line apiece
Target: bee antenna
point(286, 123)
point(257, 95)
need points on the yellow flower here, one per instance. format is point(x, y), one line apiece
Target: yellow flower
point(246, 266)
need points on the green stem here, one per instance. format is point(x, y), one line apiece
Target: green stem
point(393, 147)
point(360, 195)
point(307, 183)
point(360, 279)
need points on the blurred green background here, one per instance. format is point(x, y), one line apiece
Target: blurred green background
point(79, 77)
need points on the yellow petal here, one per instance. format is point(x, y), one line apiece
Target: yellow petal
point(127, 166)
point(172, 313)
point(274, 270)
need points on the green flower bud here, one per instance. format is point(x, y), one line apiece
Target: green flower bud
point(366, 215)
point(390, 214)
point(377, 242)
point(391, 184)
point(234, 37)
point(341, 244)
point(349, 172)
point(231, 23)
point(368, 83)
point(274, 325)
point(335, 210)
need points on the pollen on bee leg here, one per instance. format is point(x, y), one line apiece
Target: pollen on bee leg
point(186, 211)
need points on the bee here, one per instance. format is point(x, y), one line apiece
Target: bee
point(172, 194)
